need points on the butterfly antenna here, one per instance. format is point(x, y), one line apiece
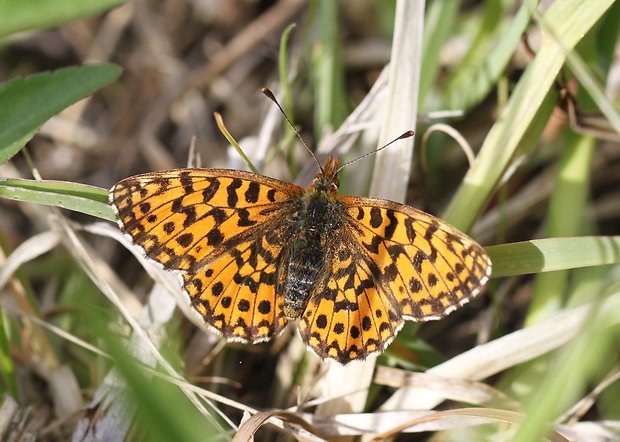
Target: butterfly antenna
point(407, 134)
point(272, 97)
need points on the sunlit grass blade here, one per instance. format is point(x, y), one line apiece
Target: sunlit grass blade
point(569, 21)
point(547, 255)
point(571, 192)
point(489, 55)
point(82, 198)
point(222, 127)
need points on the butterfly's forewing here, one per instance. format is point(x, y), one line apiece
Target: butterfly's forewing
point(225, 230)
point(405, 264)
point(183, 218)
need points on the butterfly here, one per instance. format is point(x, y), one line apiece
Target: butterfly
point(255, 253)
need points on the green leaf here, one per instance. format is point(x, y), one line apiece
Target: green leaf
point(21, 15)
point(26, 103)
point(90, 200)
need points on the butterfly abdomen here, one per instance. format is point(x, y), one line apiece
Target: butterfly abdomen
point(315, 220)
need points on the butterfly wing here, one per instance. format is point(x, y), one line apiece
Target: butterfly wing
point(184, 218)
point(392, 263)
point(237, 294)
point(225, 230)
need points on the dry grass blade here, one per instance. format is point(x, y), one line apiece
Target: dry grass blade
point(92, 264)
point(385, 425)
point(508, 351)
point(468, 416)
point(577, 412)
point(27, 251)
point(362, 118)
point(453, 389)
point(253, 424)
point(448, 130)
point(393, 166)
point(400, 115)
point(8, 409)
point(605, 431)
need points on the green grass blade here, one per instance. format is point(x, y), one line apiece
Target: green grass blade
point(287, 100)
point(488, 58)
point(153, 399)
point(438, 24)
point(328, 71)
point(571, 191)
point(287, 96)
point(566, 379)
point(222, 127)
point(565, 219)
point(7, 368)
point(21, 15)
point(26, 103)
point(550, 254)
point(568, 21)
point(77, 197)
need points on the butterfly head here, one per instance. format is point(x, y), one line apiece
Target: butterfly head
point(327, 179)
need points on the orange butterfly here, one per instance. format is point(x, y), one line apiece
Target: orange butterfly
point(256, 252)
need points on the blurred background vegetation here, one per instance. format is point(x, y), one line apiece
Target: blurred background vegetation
point(92, 346)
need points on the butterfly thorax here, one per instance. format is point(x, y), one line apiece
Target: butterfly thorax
point(315, 220)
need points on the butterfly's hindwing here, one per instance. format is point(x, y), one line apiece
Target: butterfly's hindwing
point(351, 314)
point(237, 293)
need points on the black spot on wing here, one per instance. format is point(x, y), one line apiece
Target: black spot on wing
point(417, 261)
point(409, 229)
point(264, 307)
point(169, 227)
point(360, 214)
point(231, 190)
point(271, 195)
point(244, 218)
point(251, 195)
point(375, 217)
point(210, 190)
point(219, 215)
point(185, 240)
point(190, 216)
point(391, 227)
point(214, 237)
point(430, 230)
point(187, 182)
